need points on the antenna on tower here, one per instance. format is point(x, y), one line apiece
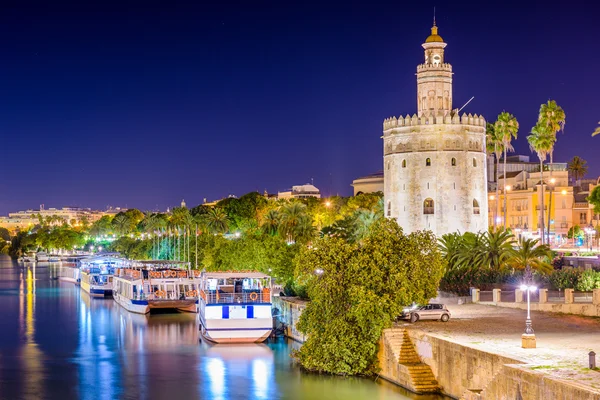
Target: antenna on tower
point(433, 15)
point(465, 104)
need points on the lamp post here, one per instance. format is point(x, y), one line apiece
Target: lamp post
point(528, 338)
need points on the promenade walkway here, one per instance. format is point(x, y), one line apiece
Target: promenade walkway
point(563, 341)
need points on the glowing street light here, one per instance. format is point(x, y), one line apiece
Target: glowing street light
point(327, 204)
point(528, 338)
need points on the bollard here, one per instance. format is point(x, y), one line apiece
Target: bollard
point(592, 360)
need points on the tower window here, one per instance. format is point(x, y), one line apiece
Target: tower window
point(453, 162)
point(428, 206)
point(474, 162)
point(428, 162)
point(389, 210)
point(475, 207)
point(403, 163)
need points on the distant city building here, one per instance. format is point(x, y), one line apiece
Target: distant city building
point(517, 163)
point(70, 215)
point(300, 192)
point(435, 169)
point(567, 204)
point(368, 184)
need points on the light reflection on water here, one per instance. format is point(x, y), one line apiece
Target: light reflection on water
point(58, 342)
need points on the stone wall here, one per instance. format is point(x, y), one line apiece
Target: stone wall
point(289, 310)
point(457, 368)
point(517, 382)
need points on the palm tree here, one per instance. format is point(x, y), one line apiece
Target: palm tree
point(494, 146)
point(495, 248)
point(553, 117)
point(121, 224)
point(270, 224)
point(529, 255)
point(451, 245)
point(364, 220)
point(578, 168)
point(216, 220)
point(506, 128)
point(304, 231)
point(541, 141)
point(290, 218)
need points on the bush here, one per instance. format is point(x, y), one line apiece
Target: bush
point(588, 281)
point(566, 278)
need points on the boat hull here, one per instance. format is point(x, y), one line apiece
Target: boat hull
point(144, 306)
point(234, 323)
point(96, 291)
point(134, 306)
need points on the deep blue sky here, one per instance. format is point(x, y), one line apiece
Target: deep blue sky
point(143, 104)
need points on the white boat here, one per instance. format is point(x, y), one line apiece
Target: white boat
point(53, 259)
point(96, 276)
point(235, 307)
point(146, 285)
point(29, 258)
point(42, 256)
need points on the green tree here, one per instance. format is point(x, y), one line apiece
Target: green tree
point(529, 253)
point(594, 199)
point(541, 141)
point(270, 222)
point(506, 128)
point(356, 291)
point(121, 224)
point(578, 168)
point(216, 220)
point(103, 226)
point(553, 117)
point(4, 234)
point(495, 146)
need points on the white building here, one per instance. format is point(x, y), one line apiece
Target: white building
point(435, 173)
point(300, 192)
point(368, 184)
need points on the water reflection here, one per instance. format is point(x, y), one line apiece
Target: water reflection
point(58, 342)
point(31, 355)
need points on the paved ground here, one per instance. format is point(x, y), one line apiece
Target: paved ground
point(563, 341)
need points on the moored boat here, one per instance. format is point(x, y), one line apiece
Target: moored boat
point(97, 274)
point(53, 258)
point(235, 307)
point(41, 256)
point(142, 286)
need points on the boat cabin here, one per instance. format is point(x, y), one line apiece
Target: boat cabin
point(235, 287)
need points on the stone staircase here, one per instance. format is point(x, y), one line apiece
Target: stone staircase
point(421, 376)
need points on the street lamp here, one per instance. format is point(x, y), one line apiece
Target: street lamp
point(528, 338)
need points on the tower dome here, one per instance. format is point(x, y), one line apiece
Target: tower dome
point(434, 37)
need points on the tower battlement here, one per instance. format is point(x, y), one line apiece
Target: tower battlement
point(465, 119)
point(434, 67)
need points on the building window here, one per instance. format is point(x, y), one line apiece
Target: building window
point(388, 165)
point(403, 163)
point(428, 162)
point(474, 162)
point(453, 162)
point(428, 206)
point(475, 207)
point(427, 185)
point(389, 210)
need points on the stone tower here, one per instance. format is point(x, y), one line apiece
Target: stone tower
point(435, 160)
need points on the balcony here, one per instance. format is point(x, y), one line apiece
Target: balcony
point(537, 208)
point(245, 297)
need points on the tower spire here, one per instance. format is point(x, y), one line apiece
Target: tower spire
point(433, 15)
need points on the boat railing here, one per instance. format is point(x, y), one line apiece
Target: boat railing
point(247, 297)
point(161, 295)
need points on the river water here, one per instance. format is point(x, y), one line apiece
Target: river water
point(58, 343)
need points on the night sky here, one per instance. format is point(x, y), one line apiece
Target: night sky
point(144, 104)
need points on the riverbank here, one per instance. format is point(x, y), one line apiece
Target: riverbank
point(478, 354)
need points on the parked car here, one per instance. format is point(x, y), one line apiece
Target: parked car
point(407, 310)
point(430, 311)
